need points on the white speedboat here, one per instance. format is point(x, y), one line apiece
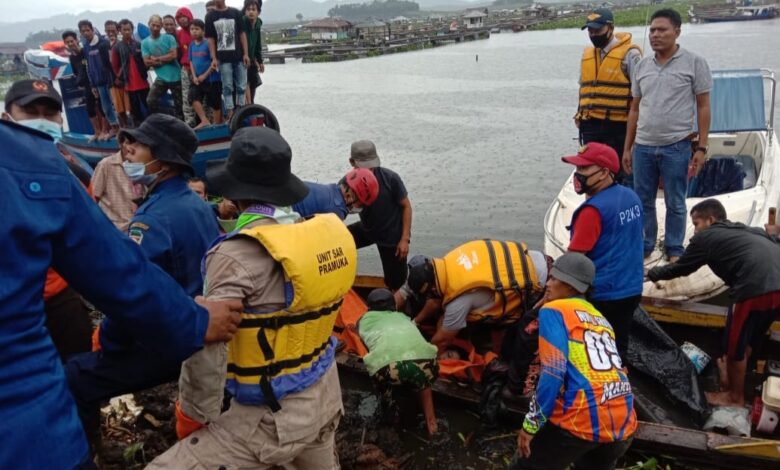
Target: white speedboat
point(741, 138)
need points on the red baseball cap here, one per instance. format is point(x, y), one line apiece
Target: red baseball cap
point(595, 154)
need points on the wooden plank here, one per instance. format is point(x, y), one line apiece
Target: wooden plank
point(685, 313)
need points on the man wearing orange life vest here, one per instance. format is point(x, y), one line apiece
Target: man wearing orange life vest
point(582, 409)
point(481, 281)
point(605, 84)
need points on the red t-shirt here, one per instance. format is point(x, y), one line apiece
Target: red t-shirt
point(587, 230)
point(135, 81)
point(183, 38)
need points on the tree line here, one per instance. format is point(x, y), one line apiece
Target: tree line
point(379, 9)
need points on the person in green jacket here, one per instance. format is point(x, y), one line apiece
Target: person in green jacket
point(398, 355)
point(252, 25)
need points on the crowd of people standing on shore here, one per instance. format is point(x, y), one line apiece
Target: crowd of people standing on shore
point(206, 65)
point(248, 312)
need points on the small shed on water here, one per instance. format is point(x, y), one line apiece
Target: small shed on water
point(329, 29)
point(474, 19)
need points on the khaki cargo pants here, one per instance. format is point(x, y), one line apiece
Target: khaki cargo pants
point(245, 437)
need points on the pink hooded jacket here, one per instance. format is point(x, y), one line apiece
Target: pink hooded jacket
point(183, 37)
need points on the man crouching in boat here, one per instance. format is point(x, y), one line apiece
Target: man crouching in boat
point(582, 410)
point(291, 275)
point(398, 355)
point(481, 281)
point(748, 261)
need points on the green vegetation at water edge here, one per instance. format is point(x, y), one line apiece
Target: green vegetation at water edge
point(636, 16)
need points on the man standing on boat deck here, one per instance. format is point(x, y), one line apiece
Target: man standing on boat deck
point(748, 261)
point(159, 52)
point(605, 84)
point(174, 228)
point(607, 228)
point(49, 220)
point(480, 282)
point(132, 71)
point(582, 410)
point(184, 39)
point(229, 51)
point(280, 368)
point(388, 222)
point(671, 95)
point(97, 51)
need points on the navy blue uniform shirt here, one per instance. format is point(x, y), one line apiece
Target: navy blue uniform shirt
point(49, 220)
point(322, 199)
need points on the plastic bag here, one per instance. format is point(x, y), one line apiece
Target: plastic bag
point(654, 353)
point(734, 419)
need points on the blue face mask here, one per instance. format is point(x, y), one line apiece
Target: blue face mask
point(44, 125)
point(135, 172)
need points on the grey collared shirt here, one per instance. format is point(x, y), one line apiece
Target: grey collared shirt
point(667, 111)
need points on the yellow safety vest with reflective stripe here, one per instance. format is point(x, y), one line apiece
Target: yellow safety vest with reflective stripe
point(605, 91)
point(279, 352)
point(503, 266)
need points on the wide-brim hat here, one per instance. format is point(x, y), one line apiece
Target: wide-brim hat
point(576, 270)
point(170, 139)
point(257, 169)
point(363, 153)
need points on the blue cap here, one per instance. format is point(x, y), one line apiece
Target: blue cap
point(598, 18)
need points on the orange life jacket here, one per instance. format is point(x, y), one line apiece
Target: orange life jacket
point(605, 91)
point(503, 266)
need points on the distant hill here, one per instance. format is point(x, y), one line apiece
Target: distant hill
point(274, 11)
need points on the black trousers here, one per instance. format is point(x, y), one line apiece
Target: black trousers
point(138, 107)
point(95, 377)
point(253, 81)
point(519, 348)
point(620, 314)
point(68, 322)
point(553, 448)
point(395, 270)
point(610, 133)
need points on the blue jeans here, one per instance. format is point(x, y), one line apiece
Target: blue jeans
point(670, 164)
point(233, 78)
point(104, 91)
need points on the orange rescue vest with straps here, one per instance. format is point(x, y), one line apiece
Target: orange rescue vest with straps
point(605, 91)
point(503, 266)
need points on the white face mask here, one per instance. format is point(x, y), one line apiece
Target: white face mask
point(355, 210)
point(136, 173)
point(40, 124)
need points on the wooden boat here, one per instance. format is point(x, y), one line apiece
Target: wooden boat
point(742, 131)
point(691, 445)
point(741, 13)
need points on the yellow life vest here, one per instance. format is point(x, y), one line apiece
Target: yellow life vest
point(503, 266)
point(279, 352)
point(605, 91)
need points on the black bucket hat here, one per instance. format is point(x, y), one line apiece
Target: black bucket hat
point(257, 169)
point(170, 139)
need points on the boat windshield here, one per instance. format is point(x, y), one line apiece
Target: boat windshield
point(739, 100)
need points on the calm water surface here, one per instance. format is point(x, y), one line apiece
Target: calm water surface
point(477, 142)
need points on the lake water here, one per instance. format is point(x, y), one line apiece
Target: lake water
point(476, 142)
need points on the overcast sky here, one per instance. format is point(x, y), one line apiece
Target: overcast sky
point(29, 9)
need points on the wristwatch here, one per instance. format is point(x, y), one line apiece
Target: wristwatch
point(702, 149)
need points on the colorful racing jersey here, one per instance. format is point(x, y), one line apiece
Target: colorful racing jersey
point(583, 387)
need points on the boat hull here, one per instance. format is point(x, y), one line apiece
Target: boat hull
point(213, 144)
